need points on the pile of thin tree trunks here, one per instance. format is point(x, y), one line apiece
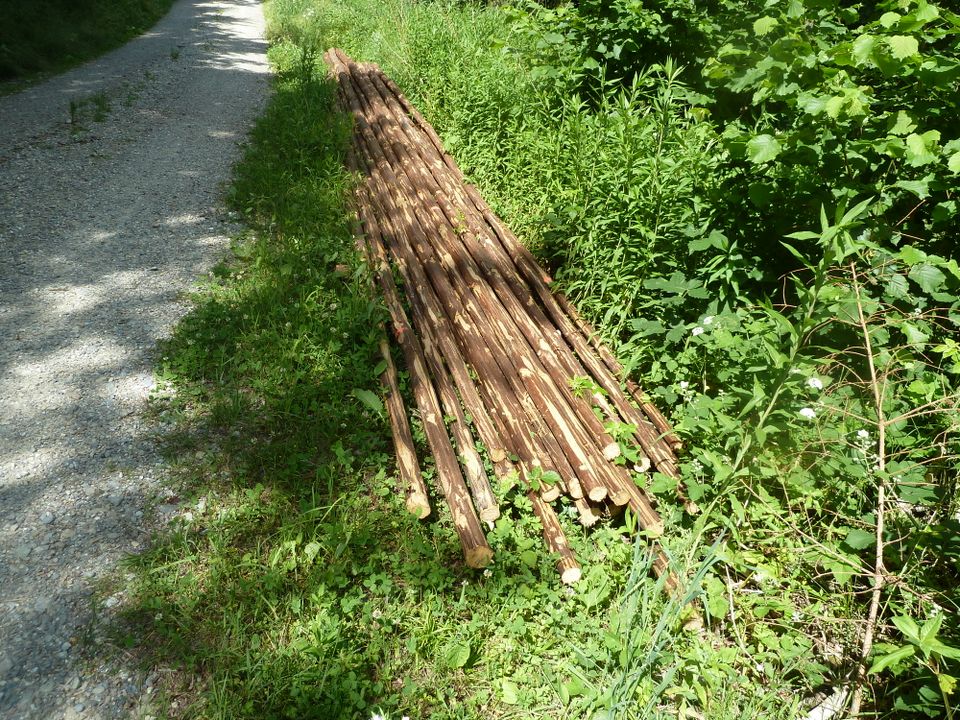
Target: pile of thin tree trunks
point(498, 363)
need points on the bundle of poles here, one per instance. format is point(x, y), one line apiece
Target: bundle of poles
point(493, 355)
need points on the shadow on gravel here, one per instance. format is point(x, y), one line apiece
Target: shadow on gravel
point(102, 228)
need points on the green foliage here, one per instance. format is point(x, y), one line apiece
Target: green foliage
point(51, 35)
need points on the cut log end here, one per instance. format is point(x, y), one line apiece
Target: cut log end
point(418, 506)
point(611, 451)
point(550, 493)
point(589, 516)
point(570, 575)
point(597, 494)
point(478, 557)
point(490, 514)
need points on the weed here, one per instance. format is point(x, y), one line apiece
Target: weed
point(93, 108)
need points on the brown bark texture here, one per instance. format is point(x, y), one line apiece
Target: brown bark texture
point(492, 352)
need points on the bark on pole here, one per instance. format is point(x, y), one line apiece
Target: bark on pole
point(649, 431)
point(540, 370)
point(493, 341)
point(499, 376)
point(417, 501)
point(477, 552)
point(408, 467)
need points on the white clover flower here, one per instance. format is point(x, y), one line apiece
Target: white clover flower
point(707, 320)
point(697, 331)
point(862, 434)
point(684, 384)
point(377, 716)
point(376, 614)
point(807, 413)
point(815, 383)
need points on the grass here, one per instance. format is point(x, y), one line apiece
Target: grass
point(41, 37)
point(292, 584)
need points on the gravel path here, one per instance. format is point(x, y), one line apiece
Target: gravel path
point(111, 179)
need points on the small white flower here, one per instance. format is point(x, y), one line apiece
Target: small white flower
point(708, 320)
point(376, 614)
point(376, 716)
point(488, 573)
point(697, 331)
point(807, 413)
point(862, 434)
point(684, 384)
point(815, 383)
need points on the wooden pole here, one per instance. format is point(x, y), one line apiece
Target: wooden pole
point(477, 552)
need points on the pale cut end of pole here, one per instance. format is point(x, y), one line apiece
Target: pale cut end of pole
point(550, 493)
point(489, 514)
point(619, 497)
point(588, 515)
point(643, 464)
point(597, 494)
point(611, 451)
point(418, 505)
point(497, 455)
point(478, 557)
point(571, 574)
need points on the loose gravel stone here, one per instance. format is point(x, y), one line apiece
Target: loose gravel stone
point(103, 224)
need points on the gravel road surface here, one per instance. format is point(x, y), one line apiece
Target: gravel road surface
point(111, 181)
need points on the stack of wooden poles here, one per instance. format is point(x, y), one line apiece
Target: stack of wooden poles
point(492, 352)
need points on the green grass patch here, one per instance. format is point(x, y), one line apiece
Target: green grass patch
point(47, 36)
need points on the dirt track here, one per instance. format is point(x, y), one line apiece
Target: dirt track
point(111, 180)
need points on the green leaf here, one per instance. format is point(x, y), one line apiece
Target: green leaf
point(912, 255)
point(859, 539)
point(927, 277)
point(890, 658)
point(550, 477)
point(915, 336)
point(897, 287)
point(917, 494)
point(903, 46)
point(863, 48)
point(509, 693)
point(663, 484)
point(902, 124)
point(762, 149)
point(457, 654)
point(928, 633)
point(889, 19)
point(945, 650)
point(920, 188)
point(954, 162)
point(834, 106)
point(909, 628)
point(715, 239)
point(369, 399)
point(920, 148)
point(764, 25)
